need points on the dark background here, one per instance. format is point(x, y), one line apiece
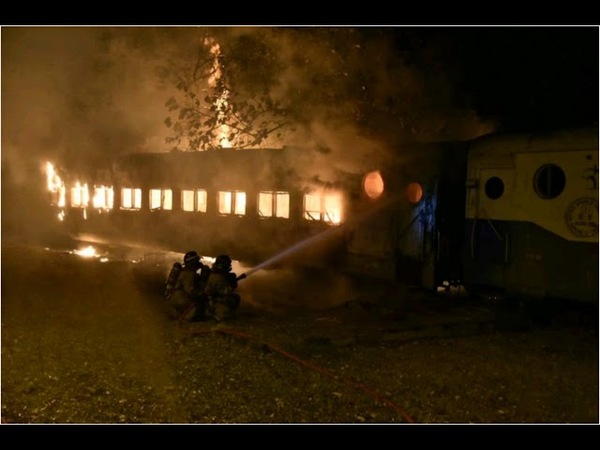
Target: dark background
point(525, 78)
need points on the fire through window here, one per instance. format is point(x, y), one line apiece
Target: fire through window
point(131, 198)
point(161, 199)
point(274, 204)
point(57, 189)
point(323, 207)
point(80, 196)
point(103, 197)
point(232, 202)
point(194, 200)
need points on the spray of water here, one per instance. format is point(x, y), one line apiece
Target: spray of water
point(320, 236)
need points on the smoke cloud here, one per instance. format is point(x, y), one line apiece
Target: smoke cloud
point(81, 96)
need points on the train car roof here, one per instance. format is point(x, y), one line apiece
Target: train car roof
point(239, 168)
point(584, 138)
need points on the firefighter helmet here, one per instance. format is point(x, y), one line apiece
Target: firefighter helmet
point(191, 258)
point(222, 263)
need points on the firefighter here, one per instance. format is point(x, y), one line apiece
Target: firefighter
point(185, 288)
point(220, 289)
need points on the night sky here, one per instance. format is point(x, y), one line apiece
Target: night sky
point(56, 104)
point(523, 78)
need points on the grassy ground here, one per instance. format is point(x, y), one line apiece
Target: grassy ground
point(87, 342)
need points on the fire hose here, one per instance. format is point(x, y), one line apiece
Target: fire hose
point(242, 335)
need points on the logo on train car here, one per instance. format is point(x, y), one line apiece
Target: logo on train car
point(582, 217)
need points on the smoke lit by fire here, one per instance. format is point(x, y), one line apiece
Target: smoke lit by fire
point(81, 97)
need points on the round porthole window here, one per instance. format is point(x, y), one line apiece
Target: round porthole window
point(414, 192)
point(494, 188)
point(373, 184)
point(549, 181)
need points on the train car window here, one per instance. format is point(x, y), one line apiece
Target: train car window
point(373, 184)
point(332, 209)
point(103, 197)
point(60, 198)
point(265, 204)
point(194, 200)
point(240, 203)
point(201, 200)
point(225, 201)
point(79, 195)
point(56, 186)
point(131, 198)
point(161, 199)
point(312, 207)
point(549, 181)
point(229, 202)
point(282, 205)
point(414, 192)
point(275, 204)
point(494, 188)
point(323, 207)
point(187, 200)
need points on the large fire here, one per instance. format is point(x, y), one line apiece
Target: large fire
point(79, 194)
point(221, 103)
point(56, 186)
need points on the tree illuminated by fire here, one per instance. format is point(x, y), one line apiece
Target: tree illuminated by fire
point(253, 87)
point(209, 115)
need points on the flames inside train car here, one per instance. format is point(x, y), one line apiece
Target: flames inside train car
point(249, 203)
point(509, 214)
point(264, 208)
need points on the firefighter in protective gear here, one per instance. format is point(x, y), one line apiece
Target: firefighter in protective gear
point(220, 289)
point(186, 299)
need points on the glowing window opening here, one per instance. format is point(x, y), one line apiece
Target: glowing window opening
point(80, 196)
point(414, 192)
point(326, 207)
point(60, 196)
point(274, 204)
point(194, 200)
point(56, 186)
point(103, 197)
point(312, 207)
point(373, 184)
point(282, 205)
point(231, 202)
point(161, 199)
point(131, 198)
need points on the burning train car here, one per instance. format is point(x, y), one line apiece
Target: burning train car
point(503, 214)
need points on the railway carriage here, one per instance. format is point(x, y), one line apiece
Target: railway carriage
point(502, 215)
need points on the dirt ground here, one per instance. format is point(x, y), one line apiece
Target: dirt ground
point(87, 342)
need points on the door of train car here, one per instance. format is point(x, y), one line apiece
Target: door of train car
point(416, 238)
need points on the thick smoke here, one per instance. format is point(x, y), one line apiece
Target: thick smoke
point(81, 96)
point(78, 95)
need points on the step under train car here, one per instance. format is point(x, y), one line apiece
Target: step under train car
point(531, 218)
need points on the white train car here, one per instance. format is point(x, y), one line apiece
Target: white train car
point(532, 215)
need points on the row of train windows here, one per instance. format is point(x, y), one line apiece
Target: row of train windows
point(318, 207)
point(549, 182)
